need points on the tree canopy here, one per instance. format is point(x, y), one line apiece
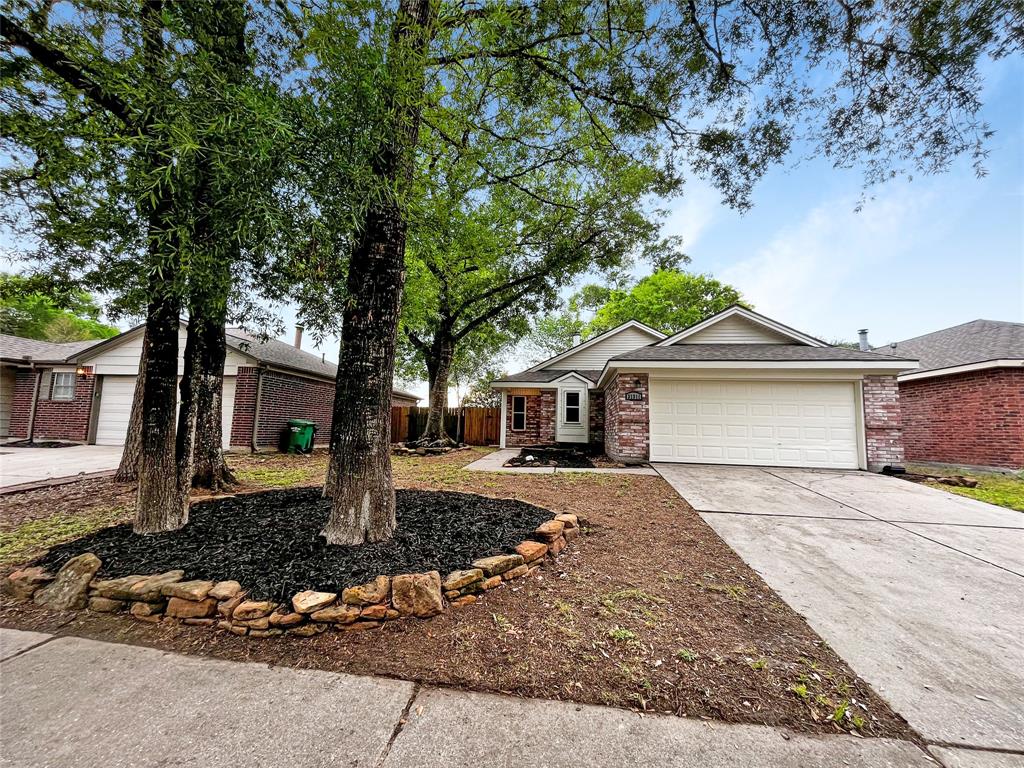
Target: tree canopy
point(32, 309)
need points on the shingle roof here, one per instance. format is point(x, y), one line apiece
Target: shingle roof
point(751, 353)
point(16, 348)
point(974, 342)
point(548, 374)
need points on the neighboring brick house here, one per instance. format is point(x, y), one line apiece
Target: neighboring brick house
point(964, 405)
point(82, 392)
point(736, 388)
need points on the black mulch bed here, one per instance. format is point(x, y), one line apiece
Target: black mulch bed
point(551, 457)
point(39, 444)
point(270, 542)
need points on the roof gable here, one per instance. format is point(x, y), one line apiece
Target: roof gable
point(739, 325)
point(593, 353)
point(974, 342)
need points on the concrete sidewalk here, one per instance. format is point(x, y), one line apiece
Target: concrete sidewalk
point(23, 466)
point(71, 701)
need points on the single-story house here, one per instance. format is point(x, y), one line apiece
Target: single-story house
point(82, 391)
point(736, 388)
point(964, 405)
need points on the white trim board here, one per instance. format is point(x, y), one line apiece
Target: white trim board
point(753, 368)
point(966, 368)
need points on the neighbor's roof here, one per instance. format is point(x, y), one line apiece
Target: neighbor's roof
point(751, 353)
point(975, 342)
point(547, 374)
point(17, 349)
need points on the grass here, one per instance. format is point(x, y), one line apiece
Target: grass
point(35, 536)
point(276, 477)
point(1001, 490)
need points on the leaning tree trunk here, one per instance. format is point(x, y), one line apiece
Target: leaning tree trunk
point(359, 475)
point(128, 469)
point(210, 468)
point(439, 368)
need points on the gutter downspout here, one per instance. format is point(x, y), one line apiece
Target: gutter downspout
point(35, 402)
point(256, 411)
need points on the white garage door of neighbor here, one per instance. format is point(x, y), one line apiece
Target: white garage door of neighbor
point(772, 423)
point(116, 408)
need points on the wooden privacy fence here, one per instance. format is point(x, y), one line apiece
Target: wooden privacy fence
point(475, 426)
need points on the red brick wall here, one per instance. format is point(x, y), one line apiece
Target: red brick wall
point(595, 405)
point(969, 418)
point(627, 422)
point(55, 419)
point(244, 407)
point(540, 420)
point(883, 429)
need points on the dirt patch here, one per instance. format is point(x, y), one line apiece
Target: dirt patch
point(648, 609)
point(270, 542)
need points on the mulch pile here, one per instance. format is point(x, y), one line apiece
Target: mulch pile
point(271, 543)
point(551, 457)
point(39, 444)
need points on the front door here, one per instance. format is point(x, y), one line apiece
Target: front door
point(571, 419)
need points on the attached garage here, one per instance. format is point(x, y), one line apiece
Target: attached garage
point(776, 423)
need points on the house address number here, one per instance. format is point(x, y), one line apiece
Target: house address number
point(634, 395)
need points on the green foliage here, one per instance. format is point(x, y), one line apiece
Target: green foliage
point(34, 314)
point(33, 537)
point(685, 654)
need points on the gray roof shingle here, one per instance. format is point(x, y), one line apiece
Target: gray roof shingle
point(751, 353)
point(974, 342)
point(548, 374)
point(16, 348)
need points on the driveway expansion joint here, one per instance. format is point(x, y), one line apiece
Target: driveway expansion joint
point(400, 724)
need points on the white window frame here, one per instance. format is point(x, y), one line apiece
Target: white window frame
point(55, 384)
point(566, 406)
point(513, 420)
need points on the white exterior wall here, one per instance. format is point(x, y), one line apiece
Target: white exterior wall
point(736, 330)
point(123, 359)
point(595, 356)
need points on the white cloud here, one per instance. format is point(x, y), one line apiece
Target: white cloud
point(691, 214)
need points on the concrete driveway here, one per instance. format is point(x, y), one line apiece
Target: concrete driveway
point(20, 466)
point(920, 590)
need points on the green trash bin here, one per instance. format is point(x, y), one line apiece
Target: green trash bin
point(300, 435)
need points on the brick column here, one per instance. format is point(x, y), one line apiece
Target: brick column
point(883, 429)
point(627, 422)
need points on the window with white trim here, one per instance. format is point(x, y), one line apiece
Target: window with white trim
point(63, 385)
point(571, 410)
point(518, 413)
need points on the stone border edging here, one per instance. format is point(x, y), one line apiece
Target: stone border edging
point(167, 597)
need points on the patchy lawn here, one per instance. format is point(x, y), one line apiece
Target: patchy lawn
point(1005, 490)
point(649, 609)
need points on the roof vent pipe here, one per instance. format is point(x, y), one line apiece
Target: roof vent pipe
point(864, 346)
point(576, 339)
point(298, 336)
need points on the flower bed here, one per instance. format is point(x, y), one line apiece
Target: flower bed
point(229, 605)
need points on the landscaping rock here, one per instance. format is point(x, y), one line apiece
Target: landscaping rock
point(24, 582)
point(459, 579)
point(252, 609)
point(117, 589)
point(227, 607)
point(199, 622)
point(378, 612)
point(550, 530)
point(307, 630)
point(375, 591)
point(278, 619)
point(263, 623)
point(570, 533)
point(106, 605)
point(491, 583)
point(188, 590)
point(568, 520)
point(185, 608)
point(339, 613)
point(148, 590)
point(147, 611)
point(225, 590)
point(265, 632)
point(232, 628)
point(531, 550)
point(465, 600)
point(69, 589)
point(557, 546)
point(310, 601)
point(360, 625)
point(498, 564)
point(515, 573)
point(417, 594)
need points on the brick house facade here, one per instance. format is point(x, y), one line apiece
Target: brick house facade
point(883, 430)
point(627, 422)
point(282, 397)
point(53, 419)
point(539, 424)
point(974, 418)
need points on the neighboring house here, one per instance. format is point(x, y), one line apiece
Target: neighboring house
point(82, 392)
point(736, 388)
point(965, 404)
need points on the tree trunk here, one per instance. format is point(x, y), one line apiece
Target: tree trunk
point(128, 469)
point(359, 475)
point(439, 366)
point(211, 471)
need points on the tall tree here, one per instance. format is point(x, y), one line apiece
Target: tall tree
point(901, 93)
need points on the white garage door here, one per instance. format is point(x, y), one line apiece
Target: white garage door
point(772, 423)
point(116, 408)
